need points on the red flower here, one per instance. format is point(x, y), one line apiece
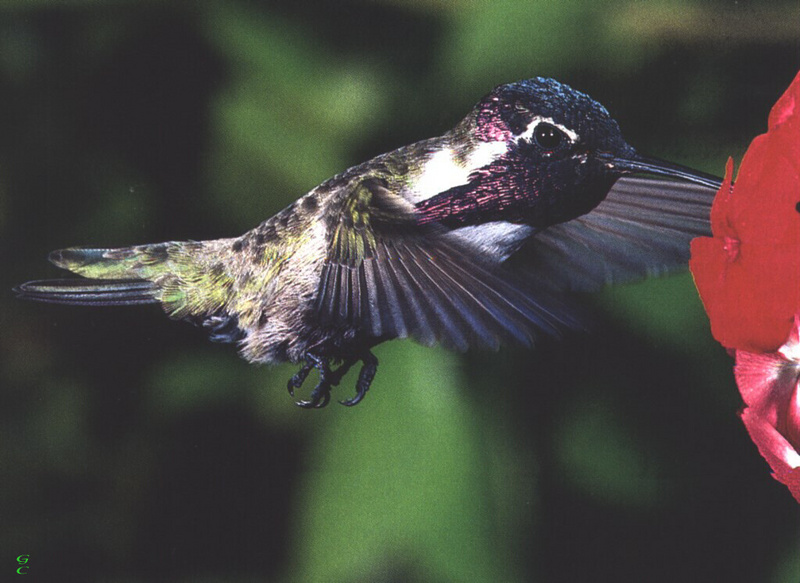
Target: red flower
point(748, 273)
point(748, 276)
point(770, 387)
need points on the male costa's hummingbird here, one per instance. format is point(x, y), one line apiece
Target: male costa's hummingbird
point(414, 243)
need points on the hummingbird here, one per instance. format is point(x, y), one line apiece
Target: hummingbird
point(469, 239)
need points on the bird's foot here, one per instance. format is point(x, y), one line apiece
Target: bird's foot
point(299, 377)
point(364, 379)
point(321, 394)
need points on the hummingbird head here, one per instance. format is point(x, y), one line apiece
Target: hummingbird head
point(538, 153)
point(548, 119)
point(565, 135)
point(554, 126)
point(561, 148)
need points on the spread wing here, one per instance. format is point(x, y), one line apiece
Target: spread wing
point(392, 277)
point(643, 227)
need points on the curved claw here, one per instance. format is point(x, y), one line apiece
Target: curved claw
point(364, 379)
point(318, 400)
point(299, 378)
point(321, 394)
point(353, 400)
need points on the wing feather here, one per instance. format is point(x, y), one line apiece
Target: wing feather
point(392, 277)
point(643, 227)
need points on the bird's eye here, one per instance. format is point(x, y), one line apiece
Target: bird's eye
point(548, 136)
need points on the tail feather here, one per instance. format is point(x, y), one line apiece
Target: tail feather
point(88, 292)
point(127, 263)
point(188, 278)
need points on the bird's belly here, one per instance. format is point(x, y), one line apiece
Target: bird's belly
point(282, 326)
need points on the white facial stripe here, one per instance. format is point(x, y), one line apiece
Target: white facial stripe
point(528, 133)
point(442, 170)
point(486, 153)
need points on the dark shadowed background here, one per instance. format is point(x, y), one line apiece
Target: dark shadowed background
point(133, 450)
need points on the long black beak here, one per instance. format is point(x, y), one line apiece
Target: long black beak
point(658, 167)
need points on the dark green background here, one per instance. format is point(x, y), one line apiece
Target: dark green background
point(131, 449)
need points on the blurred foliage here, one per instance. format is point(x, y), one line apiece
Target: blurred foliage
point(132, 450)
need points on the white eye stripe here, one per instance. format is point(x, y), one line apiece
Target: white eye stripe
point(528, 133)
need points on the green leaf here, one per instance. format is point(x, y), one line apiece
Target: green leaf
point(288, 115)
point(400, 485)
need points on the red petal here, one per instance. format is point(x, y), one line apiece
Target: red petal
point(787, 105)
point(784, 461)
point(749, 276)
point(793, 417)
point(791, 479)
point(770, 386)
point(720, 209)
point(768, 189)
point(772, 446)
point(750, 301)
